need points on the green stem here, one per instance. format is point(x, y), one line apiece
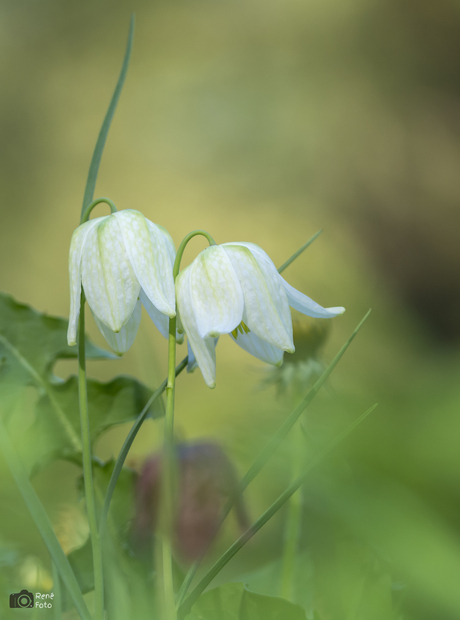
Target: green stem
point(292, 532)
point(87, 467)
point(87, 212)
point(184, 242)
point(264, 518)
point(168, 480)
point(42, 522)
point(169, 464)
point(127, 445)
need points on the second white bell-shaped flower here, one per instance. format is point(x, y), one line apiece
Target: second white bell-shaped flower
point(236, 289)
point(121, 260)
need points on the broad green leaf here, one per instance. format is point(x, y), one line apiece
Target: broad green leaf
point(233, 601)
point(122, 505)
point(221, 603)
point(267, 580)
point(261, 607)
point(30, 345)
point(115, 402)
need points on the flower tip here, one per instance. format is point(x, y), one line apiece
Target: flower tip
point(71, 342)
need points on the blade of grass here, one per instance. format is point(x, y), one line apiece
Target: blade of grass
point(266, 452)
point(42, 522)
point(57, 602)
point(265, 517)
point(97, 155)
point(127, 445)
point(299, 252)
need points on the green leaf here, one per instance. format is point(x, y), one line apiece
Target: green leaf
point(221, 603)
point(261, 607)
point(233, 601)
point(112, 403)
point(30, 345)
point(267, 579)
point(122, 506)
point(99, 148)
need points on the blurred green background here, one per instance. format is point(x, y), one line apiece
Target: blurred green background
point(264, 122)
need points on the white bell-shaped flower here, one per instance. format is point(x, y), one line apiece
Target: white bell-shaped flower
point(236, 289)
point(121, 260)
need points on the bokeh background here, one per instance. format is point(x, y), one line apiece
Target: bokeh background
point(264, 122)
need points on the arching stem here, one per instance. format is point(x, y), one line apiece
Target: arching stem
point(169, 460)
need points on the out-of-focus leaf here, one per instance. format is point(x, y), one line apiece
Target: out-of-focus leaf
point(122, 505)
point(267, 579)
point(261, 607)
point(233, 601)
point(115, 402)
point(30, 345)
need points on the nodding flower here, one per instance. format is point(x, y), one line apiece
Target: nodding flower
point(122, 261)
point(236, 289)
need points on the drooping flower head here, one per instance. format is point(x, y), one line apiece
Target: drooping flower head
point(121, 260)
point(236, 289)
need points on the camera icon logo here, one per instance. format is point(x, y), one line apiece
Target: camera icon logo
point(22, 599)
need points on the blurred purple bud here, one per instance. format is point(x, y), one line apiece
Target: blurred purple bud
point(207, 479)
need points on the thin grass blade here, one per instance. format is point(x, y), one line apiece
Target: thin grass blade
point(266, 516)
point(43, 523)
point(99, 148)
point(299, 252)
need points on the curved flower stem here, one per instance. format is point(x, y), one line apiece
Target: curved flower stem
point(87, 212)
point(169, 465)
point(184, 242)
point(87, 467)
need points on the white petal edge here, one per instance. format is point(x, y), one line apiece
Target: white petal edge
point(259, 348)
point(216, 295)
point(296, 299)
point(77, 245)
point(307, 306)
point(263, 301)
point(123, 340)
point(149, 257)
point(203, 349)
point(160, 320)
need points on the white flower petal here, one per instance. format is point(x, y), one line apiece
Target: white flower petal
point(203, 348)
point(264, 305)
point(192, 364)
point(167, 239)
point(259, 348)
point(150, 258)
point(109, 282)
point(216, 294)
point(307, 306)
point(296, 299)
point(75, 255)
point(122, 341)
point(161, 320)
